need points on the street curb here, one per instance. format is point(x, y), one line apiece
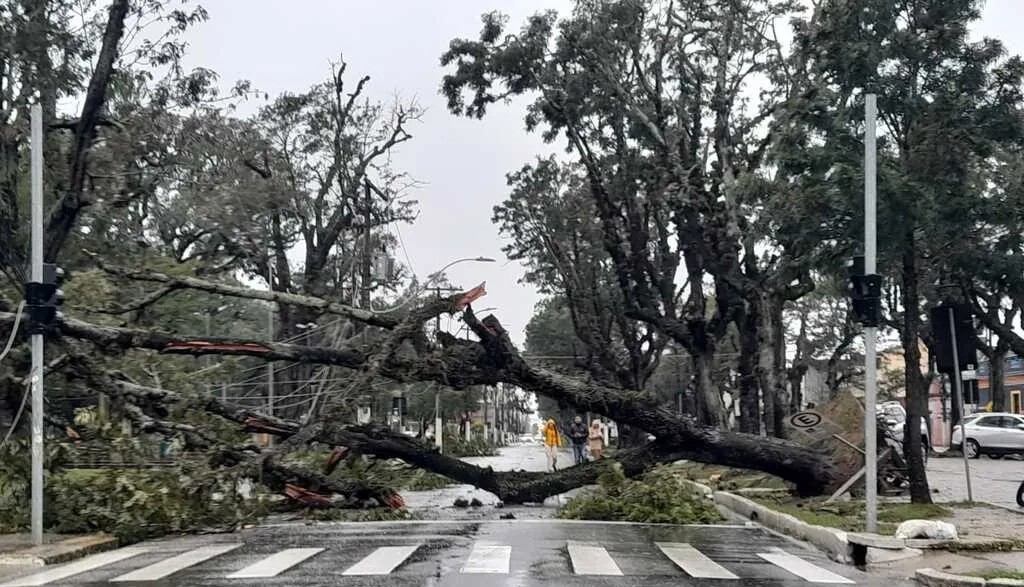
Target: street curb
point(833, 542)
point(934, 578)
point(59, 552)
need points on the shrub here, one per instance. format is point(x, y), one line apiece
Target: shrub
point(660, 496)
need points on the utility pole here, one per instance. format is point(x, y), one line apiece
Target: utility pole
point(959, 394)
point(207, 359)
point(438, 419)
point(367, 260)
point(870, 327)
point(270, 338)
point(37, 337)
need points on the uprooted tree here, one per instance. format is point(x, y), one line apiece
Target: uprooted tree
point(405, 353)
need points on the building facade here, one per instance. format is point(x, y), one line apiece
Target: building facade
point(1013, 379)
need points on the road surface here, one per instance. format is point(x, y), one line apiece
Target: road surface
point(461, 554)
point(436, 504)
point(992, 481)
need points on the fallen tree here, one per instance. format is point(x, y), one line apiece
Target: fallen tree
point(406, 355)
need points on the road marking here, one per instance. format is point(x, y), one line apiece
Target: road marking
point(802, 568)
point(694, 562)
point(86, 564)
point(275, 564)
point(157, 571)
point(589, 559)
point(488, 558)
point(382, 561)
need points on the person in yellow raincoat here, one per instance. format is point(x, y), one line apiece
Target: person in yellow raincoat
point(552, 440)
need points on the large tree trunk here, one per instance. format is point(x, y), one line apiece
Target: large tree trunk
point(771, 360)
point(707, 399)
point(750, 401)
point(917, 387)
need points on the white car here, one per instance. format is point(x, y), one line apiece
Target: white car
point(995, 434)
point(895, 418)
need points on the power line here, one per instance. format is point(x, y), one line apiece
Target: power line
point(14, 331)
point(21, 409)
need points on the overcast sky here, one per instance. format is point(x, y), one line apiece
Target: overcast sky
point(287, 45)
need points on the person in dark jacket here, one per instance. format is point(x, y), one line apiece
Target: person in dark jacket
point(578, 435)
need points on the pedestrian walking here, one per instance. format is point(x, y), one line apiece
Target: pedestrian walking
point(552, 440)
point(578, 435)
point(596, 440)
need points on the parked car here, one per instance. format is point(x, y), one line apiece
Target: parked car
point(995, 434)
point(895, 417)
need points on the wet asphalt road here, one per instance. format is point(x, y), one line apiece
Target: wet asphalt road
point(468, 554)
point(993, 481)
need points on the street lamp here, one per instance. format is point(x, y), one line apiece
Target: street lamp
point(432, 278)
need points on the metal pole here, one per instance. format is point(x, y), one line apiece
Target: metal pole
point(959, 393)
point(270, 338)
point(870, 332)
point(207, 359)
point(37, 339)
point(366, 275)
point(438, 422)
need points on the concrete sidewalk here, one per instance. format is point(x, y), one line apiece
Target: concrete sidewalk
point(18, 549)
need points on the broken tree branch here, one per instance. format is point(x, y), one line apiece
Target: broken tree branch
point(461, 363)
point(509, 486)
point(136, 400)
point(194, 283)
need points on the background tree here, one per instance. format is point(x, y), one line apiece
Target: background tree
point(945, 104)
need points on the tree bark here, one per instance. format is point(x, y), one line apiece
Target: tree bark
point(707, 398)
point(917, 388)
point(997, 376)
point(750, 400)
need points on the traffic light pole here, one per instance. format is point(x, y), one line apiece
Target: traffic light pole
point(36, 375)
point(959, 397)
point(870, 331)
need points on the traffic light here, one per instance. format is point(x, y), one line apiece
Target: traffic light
point(963, 326)
point(43, 300)
point(865, 293)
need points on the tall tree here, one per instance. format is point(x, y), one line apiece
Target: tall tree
point(945, 103)
point(549, 218)
point(649, 98)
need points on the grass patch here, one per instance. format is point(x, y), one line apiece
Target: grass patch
point(849, 515)
point(998, 574)
point(659, 497)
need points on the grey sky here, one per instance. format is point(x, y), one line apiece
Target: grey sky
point(287, 45)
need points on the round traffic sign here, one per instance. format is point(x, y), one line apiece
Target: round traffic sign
point(805, 419)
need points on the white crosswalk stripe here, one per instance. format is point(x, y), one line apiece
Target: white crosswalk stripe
point(276, 564)
point(590, 559)
point(694, 562)
point(488, 558)
point(89, 563)
point(484, 557)
point(159, 570)
point(803, 569)
point(382, 561)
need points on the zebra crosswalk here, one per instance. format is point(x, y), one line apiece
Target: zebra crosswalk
point(140, 565)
